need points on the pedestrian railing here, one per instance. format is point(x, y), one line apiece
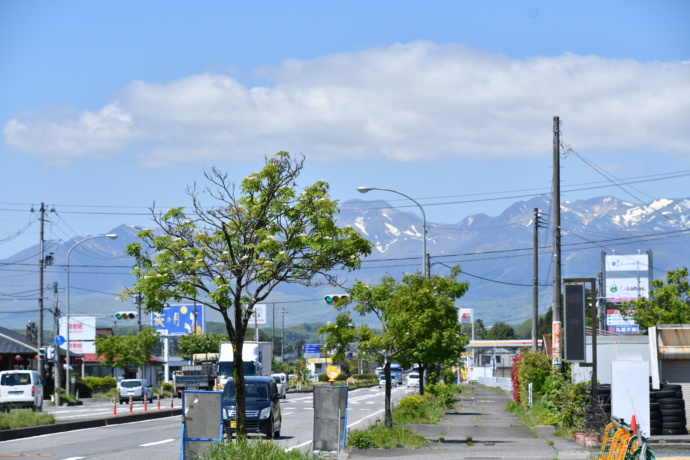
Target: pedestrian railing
point(504, 383)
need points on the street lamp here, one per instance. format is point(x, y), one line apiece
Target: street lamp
point(425, 269)
point(112, 236)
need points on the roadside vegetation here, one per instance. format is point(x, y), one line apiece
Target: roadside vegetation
point(253, 449)
point(556, 400)
point(414, 409)
point(22, 418)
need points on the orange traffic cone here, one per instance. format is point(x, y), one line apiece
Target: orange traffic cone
point(633, 425)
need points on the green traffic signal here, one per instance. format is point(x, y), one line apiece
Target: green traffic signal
point(337, 298)
point(125, 315)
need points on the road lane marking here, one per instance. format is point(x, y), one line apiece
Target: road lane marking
point(349, 426)
point(156, 443)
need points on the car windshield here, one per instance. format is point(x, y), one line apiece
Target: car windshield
point(130, 384)
point(414, 376)
point(276, 379)
point(15, 379)
point(254, 391)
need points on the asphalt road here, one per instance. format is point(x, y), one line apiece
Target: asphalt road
point(160, 438)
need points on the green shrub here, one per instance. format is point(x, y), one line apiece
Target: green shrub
point(341, 377)
point(100, 384)
point(556, 400)
point(418, 409)
point(167, 387)
point(253, 449)
point(323, 378)
point(445, 393)
point(377, 436)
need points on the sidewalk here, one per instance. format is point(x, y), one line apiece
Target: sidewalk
point(495, 434)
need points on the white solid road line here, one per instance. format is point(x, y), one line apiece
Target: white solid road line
point(156, 443)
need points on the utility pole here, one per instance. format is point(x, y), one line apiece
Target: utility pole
point(535, 278)
point(41, 265)
point(556, 202)
point(273, 329)
point(282, 342)
point(57, 358)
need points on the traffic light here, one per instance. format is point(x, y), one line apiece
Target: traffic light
point(50, 353)
point(126, 315)
point(42, 353)
point(337, 299)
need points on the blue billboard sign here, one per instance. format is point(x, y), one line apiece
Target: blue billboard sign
point(312, 348)
point(179, 320)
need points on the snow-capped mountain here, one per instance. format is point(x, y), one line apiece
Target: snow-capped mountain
point(494, 253)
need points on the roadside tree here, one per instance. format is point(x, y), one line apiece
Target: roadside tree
point(200, 343)
point(500, 331)
point(667, 303)
point(230, 254)
point(417, 314)
point(127, 351)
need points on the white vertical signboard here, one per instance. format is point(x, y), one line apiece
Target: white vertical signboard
point(82, 333)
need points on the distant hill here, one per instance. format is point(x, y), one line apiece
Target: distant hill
point(494, 253)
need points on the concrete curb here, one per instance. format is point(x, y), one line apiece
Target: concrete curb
point(18, 433)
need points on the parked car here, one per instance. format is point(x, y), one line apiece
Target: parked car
point(21, 388)
point(413, 379)
point(137, 389)
point(262, 406)
point(281, 383)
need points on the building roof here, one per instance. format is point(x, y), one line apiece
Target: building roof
point(14, 342)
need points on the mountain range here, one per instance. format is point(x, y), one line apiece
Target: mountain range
point(494, 254)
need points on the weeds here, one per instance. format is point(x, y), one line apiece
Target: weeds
point(253, 449)
point(377, 436)
point(22, 418)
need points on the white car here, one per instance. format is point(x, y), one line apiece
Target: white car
point(281, 383)
point(21, 388)
point(413, 379)
point(137, 389)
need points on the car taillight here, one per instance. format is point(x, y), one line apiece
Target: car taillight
point(33, 391)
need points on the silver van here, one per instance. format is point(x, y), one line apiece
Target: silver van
point(21, 388)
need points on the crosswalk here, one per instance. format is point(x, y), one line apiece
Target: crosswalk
point(362, 400)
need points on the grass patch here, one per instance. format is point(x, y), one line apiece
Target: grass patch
point(425, 409)
point(22, 418)
point(377, 436)
point(253, 449)
point(413, 409)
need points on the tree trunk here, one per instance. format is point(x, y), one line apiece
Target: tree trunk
point(388, 412)
point(238, 374)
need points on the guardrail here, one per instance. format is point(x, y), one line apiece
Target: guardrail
point(504, 383)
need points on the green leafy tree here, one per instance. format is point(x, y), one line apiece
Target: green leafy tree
point(127, 351)
point(231, 254)
point(500, 331)
point(432, 300)
point(479, 329)
point(416, 314)
point(200, 343)
point(667, 303)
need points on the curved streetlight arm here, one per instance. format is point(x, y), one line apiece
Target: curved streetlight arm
point(112, 236)
point(368, 189)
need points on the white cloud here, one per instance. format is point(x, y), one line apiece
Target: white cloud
point(405, 102)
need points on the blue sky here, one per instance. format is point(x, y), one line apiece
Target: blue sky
point(109, 106)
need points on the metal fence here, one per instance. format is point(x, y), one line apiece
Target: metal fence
point(504, 383)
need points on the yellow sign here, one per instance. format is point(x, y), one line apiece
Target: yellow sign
point(332, 372)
